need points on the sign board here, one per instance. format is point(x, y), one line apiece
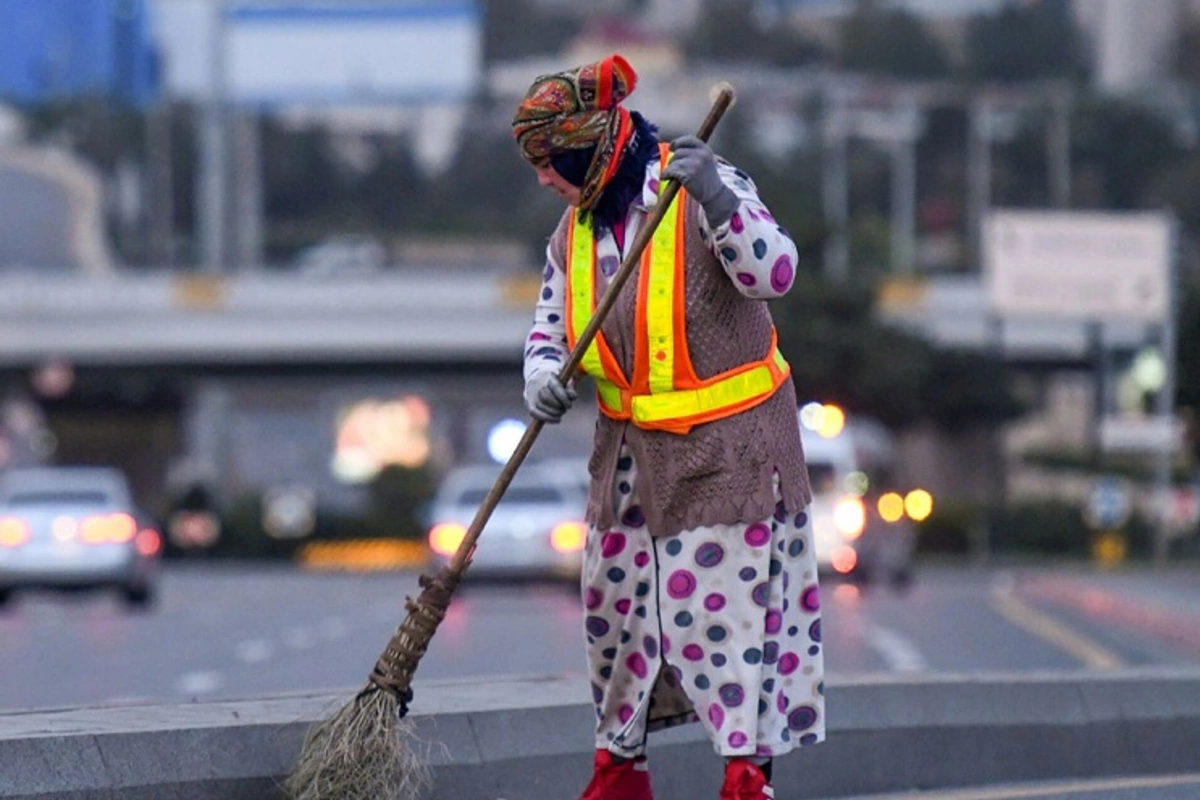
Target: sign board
point(1108, 505)
point(349, 52)
point(1129, 434)
point(1078, 265)
point(323, 52)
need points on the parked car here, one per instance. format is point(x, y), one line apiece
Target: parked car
point(857, 531)
point(536, 530)
point(75, 528)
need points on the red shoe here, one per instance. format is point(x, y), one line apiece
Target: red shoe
point(627, 780)
point(745, 781)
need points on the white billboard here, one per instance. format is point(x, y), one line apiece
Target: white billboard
point(1078, 265)
point(324, 52)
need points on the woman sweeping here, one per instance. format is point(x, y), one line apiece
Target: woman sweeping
point(699, 579)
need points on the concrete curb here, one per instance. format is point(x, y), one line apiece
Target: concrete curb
point(530, 739)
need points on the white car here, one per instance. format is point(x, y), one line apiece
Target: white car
point(856, 531)
point(536, 530)
point(75, 528)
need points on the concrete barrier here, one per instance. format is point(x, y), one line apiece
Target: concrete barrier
point(529, 739)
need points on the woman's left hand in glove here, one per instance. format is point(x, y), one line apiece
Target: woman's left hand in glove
point(694, 165)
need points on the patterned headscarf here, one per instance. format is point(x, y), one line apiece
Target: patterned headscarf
point(577, 109)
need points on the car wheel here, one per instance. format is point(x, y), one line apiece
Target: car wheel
point(138, 596)
point(6, 597)
point(902, 579)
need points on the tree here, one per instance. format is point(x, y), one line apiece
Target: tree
point(731, 31)
point(841, 352)
point(1119, 149)
point(523, 28)
point(1023, 42)
point(890, 41)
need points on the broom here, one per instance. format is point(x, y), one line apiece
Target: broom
point(365, 751)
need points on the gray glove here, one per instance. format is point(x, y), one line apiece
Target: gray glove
point(695, 167)
point(546, 397)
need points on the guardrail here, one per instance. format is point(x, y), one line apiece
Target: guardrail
point(530, 739)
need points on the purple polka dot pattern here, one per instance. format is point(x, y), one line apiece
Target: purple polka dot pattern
point(802, 718)
point(709, 555)
point(681, 584)
point(810, 599)
point(633, 517)
point(736, 223)
point(714, 618)
point(716, 715)
point(636, 664)
point(650, 645)
point(781, 274)
point(758, 535)
point(746, 279)
point(612, 544)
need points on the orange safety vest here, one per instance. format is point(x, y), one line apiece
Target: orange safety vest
point(665, 393)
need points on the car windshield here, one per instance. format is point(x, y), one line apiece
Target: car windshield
point(546, 495)
point(72, 497)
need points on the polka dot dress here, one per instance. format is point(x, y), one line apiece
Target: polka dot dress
point(719, 624)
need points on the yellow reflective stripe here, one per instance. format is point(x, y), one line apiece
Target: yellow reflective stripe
point(780, 361)
point(692, 402)
point(660, 303)
point(583, 301)
point(610, 395)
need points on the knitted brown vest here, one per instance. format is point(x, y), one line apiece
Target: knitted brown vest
point(722, 472)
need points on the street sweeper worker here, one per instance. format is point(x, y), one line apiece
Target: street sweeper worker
point(699, 579)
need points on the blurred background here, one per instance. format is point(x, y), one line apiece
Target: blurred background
point(273, 262)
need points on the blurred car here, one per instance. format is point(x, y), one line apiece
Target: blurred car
point(75, 528)
point(537, 529)
point(856, 532)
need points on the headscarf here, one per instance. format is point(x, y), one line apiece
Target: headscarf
point(575, 110)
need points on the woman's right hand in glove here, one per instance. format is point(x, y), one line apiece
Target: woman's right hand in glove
point(547, 398)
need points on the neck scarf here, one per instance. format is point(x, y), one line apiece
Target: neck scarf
point(575, 110)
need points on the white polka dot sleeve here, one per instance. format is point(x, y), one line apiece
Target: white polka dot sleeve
point(546, 345)
point(757, 253)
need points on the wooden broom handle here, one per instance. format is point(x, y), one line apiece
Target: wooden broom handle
point(462, 557)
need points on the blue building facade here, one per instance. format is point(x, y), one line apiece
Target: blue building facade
point(53, 50)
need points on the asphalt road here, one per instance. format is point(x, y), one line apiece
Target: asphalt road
point(222, 632)
point(1152, 787)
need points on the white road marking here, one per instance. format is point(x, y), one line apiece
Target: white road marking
point(254, 651)
point(900, 654)
point(199, 682)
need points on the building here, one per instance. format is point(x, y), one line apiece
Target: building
point(58, 49)
point(1132, 44)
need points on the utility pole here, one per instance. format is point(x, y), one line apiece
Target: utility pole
point(248, 190)
point(904, 188)
point(979, 175)
point(212, 186)
point(1165, 405)
point(1058, 146)
point(835, 188)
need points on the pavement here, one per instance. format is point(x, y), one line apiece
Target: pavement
point(1134, 733)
